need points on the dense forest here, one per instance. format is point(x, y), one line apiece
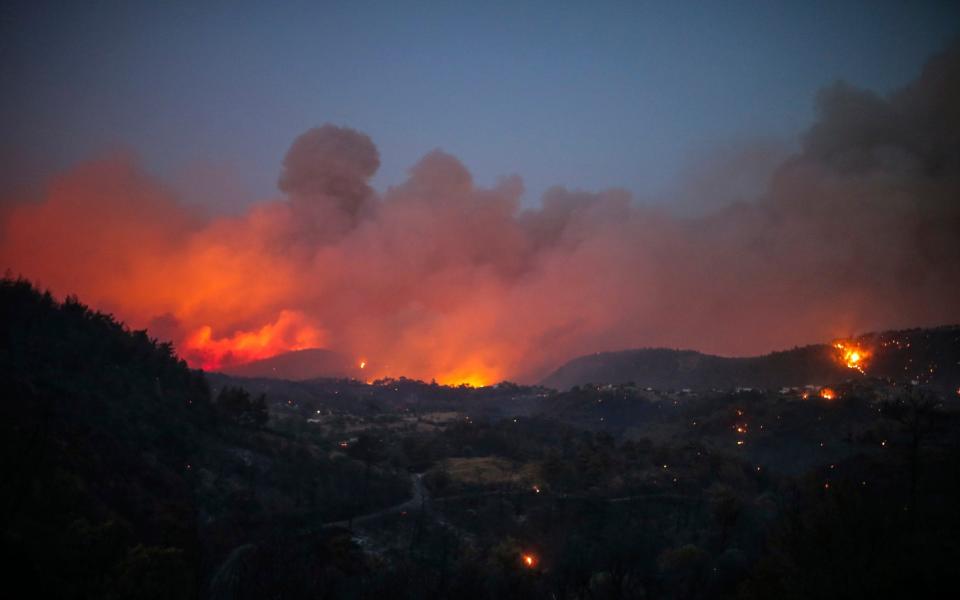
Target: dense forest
point(124, 477)
point(127, 474)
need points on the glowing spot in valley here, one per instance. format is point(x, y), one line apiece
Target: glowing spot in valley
point(828, 393)
point(529, 560)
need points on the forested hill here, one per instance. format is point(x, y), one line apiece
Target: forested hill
point(123, 478)
point(929, 356)
point(99, 424)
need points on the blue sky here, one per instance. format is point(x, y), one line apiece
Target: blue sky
point(589, 95)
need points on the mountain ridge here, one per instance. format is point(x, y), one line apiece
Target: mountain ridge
point(892, 355)
point(297, 365)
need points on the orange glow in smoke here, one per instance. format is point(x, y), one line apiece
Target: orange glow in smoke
point(529, 560)
point(828, 393)
point(455, 284)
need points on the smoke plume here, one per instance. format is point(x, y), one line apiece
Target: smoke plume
point(441, 278)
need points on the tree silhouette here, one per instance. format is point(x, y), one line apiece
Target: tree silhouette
point(239, 407)
point(917, 412)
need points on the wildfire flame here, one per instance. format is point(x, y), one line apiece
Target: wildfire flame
point(472, 374)
point(852, 355)
point(529, 560)
point(828, 393)
point(473, 381)
point(291, 331)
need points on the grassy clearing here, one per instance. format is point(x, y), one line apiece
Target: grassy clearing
point(489, 470)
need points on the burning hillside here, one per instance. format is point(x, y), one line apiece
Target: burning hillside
point(852, 355)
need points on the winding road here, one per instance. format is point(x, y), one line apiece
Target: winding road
point(421, 496)
point(419, 499)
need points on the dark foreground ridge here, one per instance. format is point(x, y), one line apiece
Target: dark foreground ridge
point(125, 478)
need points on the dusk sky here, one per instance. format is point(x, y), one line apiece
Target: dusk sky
point(588, 95)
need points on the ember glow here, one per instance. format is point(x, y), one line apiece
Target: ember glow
point(828, 393)
point(529, 560)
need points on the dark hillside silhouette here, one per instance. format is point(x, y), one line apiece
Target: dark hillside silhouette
point(123, 479)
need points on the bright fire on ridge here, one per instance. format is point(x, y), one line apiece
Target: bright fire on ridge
point(288, 333)
point(469, 375)
point(852, 355)
point(473, 373)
